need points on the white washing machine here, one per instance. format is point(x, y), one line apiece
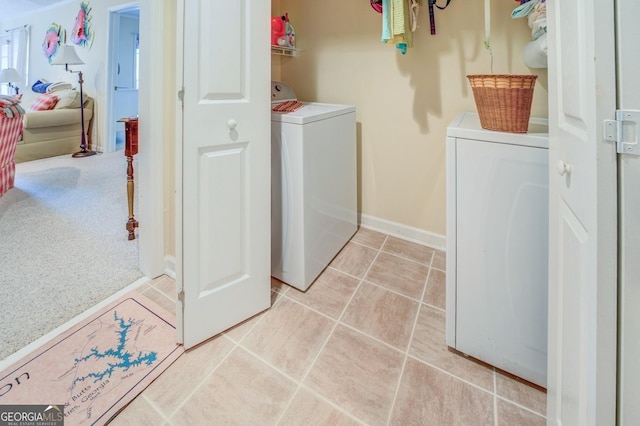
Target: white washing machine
point(497, 245)
point(313, 186)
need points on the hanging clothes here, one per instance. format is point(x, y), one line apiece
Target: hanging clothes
point(524, 9)
point(414, 8)
point(399, 14)
point(401, 34)
point(400, 20)
point(386, 21)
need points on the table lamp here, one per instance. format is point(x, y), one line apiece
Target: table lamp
point(66, 56)
point(10, 75)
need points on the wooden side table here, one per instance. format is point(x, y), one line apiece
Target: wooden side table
point(130, 149)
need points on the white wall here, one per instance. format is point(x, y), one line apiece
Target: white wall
point(94, 57)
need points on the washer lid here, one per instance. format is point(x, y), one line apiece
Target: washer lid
point(312, 111)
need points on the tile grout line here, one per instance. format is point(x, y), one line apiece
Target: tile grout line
point(523, 407)
point(324, 344)
point(335, 325)
point(298, 383)
point(323, 399)
point(450, 374)
point(395, 291)
point(147, 399)
point(206, 377)
point(437, 308)
point(337, 322)
point(352, 328)
point(495, 398)
point(345, 325)
point(162, 294)
point(408, 347)
point(420, 302)
point(380, 285)
point(360, 243)
point(151, 403)
point(258, 321)
point(399, 255)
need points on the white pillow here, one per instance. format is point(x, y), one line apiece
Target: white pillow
point(68, 99)
point(59, 86)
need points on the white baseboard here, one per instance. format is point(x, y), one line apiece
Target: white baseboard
point(405, 232)
point(170, 266)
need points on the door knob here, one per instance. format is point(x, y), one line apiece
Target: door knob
point(232, 124)
point(563, 168)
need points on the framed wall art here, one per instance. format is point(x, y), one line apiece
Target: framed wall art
point(82, 34)
point(53, 38)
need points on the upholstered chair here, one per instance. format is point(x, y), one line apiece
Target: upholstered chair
point(10, 128)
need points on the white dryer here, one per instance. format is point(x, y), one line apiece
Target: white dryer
point(497, 245)
point(313, 186)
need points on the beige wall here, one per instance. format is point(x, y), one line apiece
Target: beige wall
point(276, 9)
point(404, 103)
point(169, 128)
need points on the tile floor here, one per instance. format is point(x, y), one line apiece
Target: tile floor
point(364, 345)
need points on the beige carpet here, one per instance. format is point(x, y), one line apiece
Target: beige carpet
point(96, 368)
point(63, 244)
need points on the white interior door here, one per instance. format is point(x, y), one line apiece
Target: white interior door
point(582, 224)
point(224, 199)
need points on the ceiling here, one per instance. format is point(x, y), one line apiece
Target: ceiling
point(15, 8)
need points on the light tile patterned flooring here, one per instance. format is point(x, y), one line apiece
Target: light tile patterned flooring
point(364, 345)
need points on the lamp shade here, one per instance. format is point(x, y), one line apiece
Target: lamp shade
point(66, 55)
point(9, 75)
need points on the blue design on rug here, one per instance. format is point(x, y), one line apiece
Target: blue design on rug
point(127, 359)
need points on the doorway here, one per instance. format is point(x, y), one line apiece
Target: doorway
point(150, 171)
point(123, 72)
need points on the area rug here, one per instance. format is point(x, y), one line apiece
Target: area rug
point(97, 367)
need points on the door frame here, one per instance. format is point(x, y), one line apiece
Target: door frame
point(150, 170)
point(629, 224)
point(178, 158)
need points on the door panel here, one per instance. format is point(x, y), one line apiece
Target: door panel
point(572, 354)
point(223, 79)
point(582, 224)
point(223, 252)
point(225, 163)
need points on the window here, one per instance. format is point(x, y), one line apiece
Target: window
point(14, 45)
point(4, 63)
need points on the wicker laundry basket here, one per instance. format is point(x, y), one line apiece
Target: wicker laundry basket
point(503, 100)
